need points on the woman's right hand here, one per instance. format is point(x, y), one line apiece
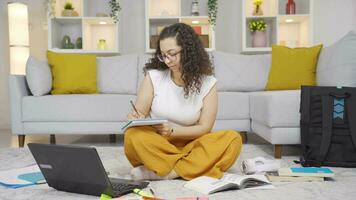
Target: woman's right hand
point(135, 115)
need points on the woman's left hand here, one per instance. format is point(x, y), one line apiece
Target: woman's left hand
point(165, 129)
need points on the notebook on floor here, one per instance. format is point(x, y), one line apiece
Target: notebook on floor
point(79, 170)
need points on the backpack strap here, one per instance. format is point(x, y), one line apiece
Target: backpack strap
point(327, 121)
point(351, 114)
point(304, 114)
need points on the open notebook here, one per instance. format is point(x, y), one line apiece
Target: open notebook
point(143, 122)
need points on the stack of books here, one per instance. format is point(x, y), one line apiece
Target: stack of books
point(300, 174)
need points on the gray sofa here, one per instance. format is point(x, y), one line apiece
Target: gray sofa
point(243, 104)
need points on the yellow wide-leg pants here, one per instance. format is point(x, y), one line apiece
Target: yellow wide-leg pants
point(209, 155)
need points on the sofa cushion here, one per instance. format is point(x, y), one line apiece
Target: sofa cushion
point(73, 73)
point(292, 67)
point(117, 74)
point(38, 76)
point(241, 72)
point(233, 106)
point(337, 63)
point(142, 60)
point(276, 108)
point(76, 108)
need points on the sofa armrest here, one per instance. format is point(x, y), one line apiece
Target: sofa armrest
point(18, 89)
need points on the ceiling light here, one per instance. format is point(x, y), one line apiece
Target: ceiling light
point(102, 22)
point(195, 22)
point(289, 20)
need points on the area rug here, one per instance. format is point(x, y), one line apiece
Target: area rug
point(341, 187)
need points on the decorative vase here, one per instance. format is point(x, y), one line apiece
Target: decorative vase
point(290, 7)
point(257, 11)
point(79, 43)
point(259, 39)
point(195, 8)
point(66, 43)
point(69, 13)
point(102, 44)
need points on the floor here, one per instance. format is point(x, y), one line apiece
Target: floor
point(114, 161)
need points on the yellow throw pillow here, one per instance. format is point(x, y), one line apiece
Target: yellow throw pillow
point(73, 73)
point(292, 67)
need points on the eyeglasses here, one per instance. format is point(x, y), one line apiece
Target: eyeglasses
point(171, 56)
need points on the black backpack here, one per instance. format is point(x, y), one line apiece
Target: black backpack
point(328, 126)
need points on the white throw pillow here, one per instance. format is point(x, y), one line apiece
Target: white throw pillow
point(117, 74)
point(337, 63)
point(38, 76)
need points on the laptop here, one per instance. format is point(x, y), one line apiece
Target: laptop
point(78, 169)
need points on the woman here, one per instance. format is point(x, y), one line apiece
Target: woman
point(179, 86)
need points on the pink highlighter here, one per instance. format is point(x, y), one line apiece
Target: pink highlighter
point(193, 198)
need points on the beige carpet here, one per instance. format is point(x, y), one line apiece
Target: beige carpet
point(342, 187)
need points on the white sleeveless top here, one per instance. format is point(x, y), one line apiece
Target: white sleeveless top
point(169, 102)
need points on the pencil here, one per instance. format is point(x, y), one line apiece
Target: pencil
point(133, 106)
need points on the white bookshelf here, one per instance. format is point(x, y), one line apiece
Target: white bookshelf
point(292, 30)
point(86, 25)
point(164, 13)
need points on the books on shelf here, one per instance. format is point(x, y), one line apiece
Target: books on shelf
point(306, 171)
point(208, 185)
point(275, 177)
point(197, 29)
point(160, 29)
point(143, 122)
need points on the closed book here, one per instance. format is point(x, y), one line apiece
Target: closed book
point(275, 177)
point(306, 171)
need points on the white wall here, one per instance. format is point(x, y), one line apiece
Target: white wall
point(333, 19)
point(4, 69)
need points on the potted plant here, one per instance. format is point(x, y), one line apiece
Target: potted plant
point(69, 10)
point(258, 8)
point(258, 28)
point(212, 11)
point(114, 10)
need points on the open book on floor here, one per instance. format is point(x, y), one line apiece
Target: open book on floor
point(208, 185)
point(143, 122)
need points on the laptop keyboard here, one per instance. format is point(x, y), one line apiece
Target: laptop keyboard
point(122, 186)
point(118, 187)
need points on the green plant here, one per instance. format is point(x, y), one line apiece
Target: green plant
point(68, 6)
point(212, 11)
point(115, 8)
point(257, 25)
point(258, 2)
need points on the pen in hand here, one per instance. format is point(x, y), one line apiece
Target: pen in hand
point(135, 109)
point(133, 106)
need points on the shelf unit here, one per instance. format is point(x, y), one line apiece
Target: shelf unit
point(86, 25)
point(292, 30)
point(164, 13)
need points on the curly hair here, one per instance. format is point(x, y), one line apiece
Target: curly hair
point(194, 59)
